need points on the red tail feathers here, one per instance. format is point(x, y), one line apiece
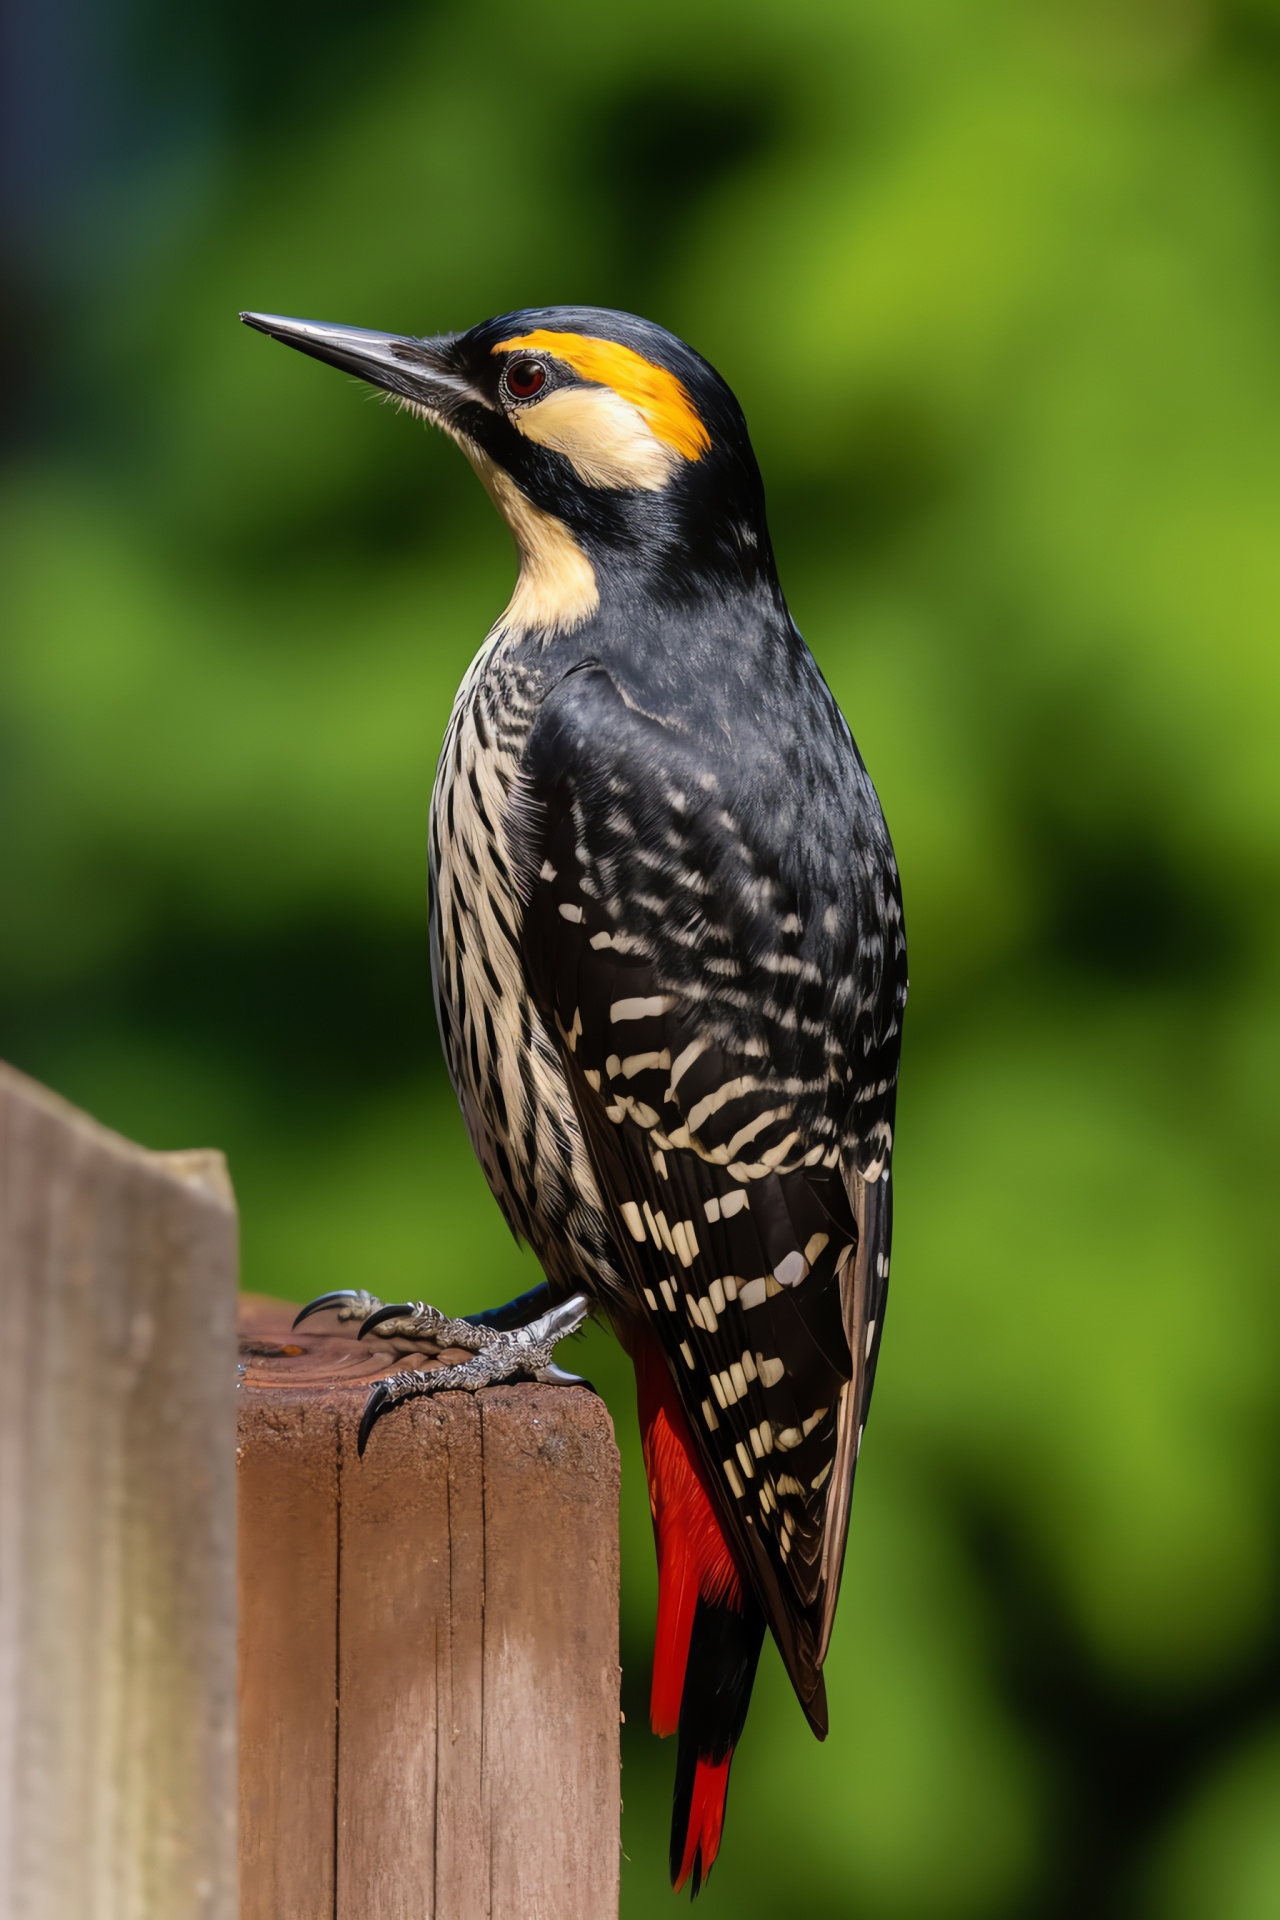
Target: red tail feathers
point(700, 1600)
point(706, 1822)
point(694, 1561)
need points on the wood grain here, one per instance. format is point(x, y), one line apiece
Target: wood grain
point(288, 1474)
point(550, 1653)
point(117, 1522)
point(469, 1569)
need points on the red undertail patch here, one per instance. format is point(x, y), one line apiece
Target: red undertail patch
point(694, 1561)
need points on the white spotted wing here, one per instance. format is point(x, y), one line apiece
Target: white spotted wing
point(717, 1096)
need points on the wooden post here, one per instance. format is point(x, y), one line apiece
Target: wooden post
point(429, 1644)
point(117, 1522)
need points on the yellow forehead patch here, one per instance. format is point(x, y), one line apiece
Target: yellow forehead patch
point(663, 400)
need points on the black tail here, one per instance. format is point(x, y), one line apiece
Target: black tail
point(724, 1648)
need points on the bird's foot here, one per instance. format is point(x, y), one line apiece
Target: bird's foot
point(413, 1321)
point(520, 1353)
point(410, 1320)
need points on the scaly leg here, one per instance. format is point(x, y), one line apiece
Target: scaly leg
point(518, 1353)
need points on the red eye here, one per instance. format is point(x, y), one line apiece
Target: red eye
point(525, 378)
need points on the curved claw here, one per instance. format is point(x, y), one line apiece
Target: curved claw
point(343, 1297)
point(406, 1308)
point(378, 1403)
point(554, 1376)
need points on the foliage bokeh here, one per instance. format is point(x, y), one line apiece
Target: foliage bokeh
point(998, 287)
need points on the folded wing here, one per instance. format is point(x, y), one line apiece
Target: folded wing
point(729, 1020)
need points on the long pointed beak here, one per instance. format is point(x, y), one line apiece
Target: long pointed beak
point(417, 370)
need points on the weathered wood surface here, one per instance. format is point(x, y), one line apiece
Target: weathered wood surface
point(429, 1644)
point(117, 1522)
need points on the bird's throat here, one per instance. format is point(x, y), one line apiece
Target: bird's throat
point(556, 589)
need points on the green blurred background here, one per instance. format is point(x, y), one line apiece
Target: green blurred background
point(999, 288)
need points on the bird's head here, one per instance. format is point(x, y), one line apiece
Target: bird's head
point(617, 456)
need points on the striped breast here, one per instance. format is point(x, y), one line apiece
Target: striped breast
point(504, 1064)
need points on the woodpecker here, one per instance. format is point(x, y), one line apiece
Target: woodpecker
point(669, 968)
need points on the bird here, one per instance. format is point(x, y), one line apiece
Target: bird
point(669, 968)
